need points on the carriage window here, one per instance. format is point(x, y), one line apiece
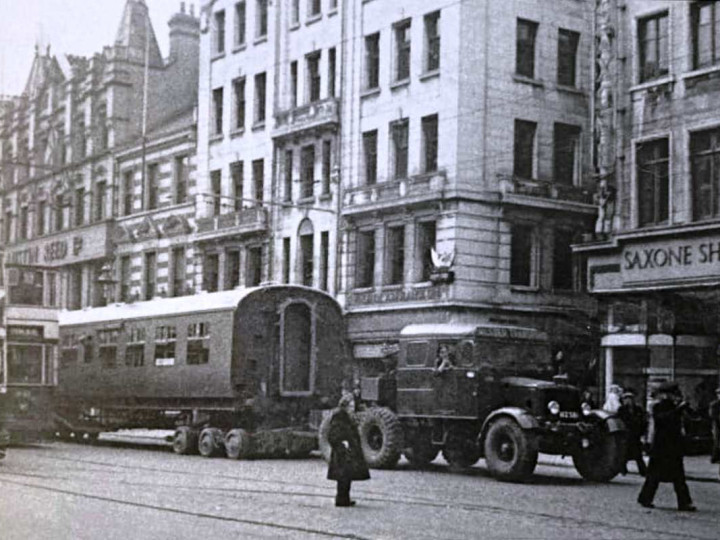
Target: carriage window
point(165, 339)
point(416, 353)
point(24, 364)
point(107, 343)
point(296, 365)
point(69, 349)
point(198, 343)
point(135, 347)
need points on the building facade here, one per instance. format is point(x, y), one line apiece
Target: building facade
point(653, 262)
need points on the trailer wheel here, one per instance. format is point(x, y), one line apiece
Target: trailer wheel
point(461, 450)
point(602, 461)
point(185, 441)
point(421, 451)
point(238, 444)
point(381, 437)
point(511, 453)
point(210, 442)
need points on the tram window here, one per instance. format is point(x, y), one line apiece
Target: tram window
point(296, 365)
point(165, 338)
point(198, 343)
point(24, 364)
point(69, 349)
point(107, 342)
point(135, 347)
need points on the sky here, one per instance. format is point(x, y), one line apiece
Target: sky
point(80, 27)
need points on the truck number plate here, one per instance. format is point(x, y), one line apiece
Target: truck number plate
point(569, 414)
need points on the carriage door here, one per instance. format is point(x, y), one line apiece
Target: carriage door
point(456, 390)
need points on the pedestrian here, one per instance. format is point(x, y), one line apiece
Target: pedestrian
point(635, 422)
point(347, 462)
point(666, 451)
point(612, 401)
point(714, 411)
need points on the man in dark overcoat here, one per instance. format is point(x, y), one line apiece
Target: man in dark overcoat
point(666, 451)
point(347, 462)
point(714, 411)
point(634, 419)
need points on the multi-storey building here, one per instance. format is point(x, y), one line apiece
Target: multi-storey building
point(653, 263)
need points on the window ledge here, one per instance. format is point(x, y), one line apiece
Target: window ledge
point(528, 80)
point(700, 73)
point(325, 197)
point(294, 25)
point(216, 138)
point(257, 126)
point(570, 90)
point(368, 92)
point(652, 84)
point(260, 39)
point(332, 11)
point(239, 47)
point(429, 75)
point(392, 286)
point(363, 289)
point(310, 199)
point(237, 132)
point(217, 56)
point(525, 288)
point(400, 84)
point(313, 19)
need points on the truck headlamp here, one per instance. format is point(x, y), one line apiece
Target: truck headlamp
point(586, 409)
point(553, 407)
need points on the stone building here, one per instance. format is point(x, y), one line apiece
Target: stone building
point(653, 262)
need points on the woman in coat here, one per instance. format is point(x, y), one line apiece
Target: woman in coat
point(347, 462)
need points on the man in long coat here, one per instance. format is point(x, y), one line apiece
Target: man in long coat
point(715, 424)
point(666, 451)
point(634, 419)
point(347, 462)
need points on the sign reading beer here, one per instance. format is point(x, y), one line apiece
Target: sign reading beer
point(671, 260)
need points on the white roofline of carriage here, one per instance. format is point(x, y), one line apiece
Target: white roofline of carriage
point(454, 329)
point(162, 307)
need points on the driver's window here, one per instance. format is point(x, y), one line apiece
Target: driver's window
point(464, 353)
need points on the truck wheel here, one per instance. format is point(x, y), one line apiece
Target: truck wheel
point(185, 441)
point(210, 442)
point(511, 453)
point(602, 461)
point(237, 444)
point(421, 452)
point(461, 451)
point(381, 437)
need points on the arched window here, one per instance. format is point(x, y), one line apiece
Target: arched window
point(297, 363)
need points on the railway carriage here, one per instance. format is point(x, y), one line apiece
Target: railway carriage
point(245, 372)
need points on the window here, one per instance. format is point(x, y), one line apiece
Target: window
point(79, 207)
point(102, 127)
point(295, 12)
point(70, 346)
point(240, 24)
point(286, 260)
point(128, 179)
point(653, 36)
point(395, 255)
point(217, 111)
point(25, 364)
point(178, 271)
point(293, 84)
point(24, 223)
point(288, 175)
point(297, 336)
point(135, 347)
point(426, 233)
point(152, 186)
point(261, 18)
point(524, 149)
point(567, 57)
point(237, 173)
point(212, 272)
point(521, 255)
point(239, 103)
point(399, 132)
point(232, 276)
point(315, 7)
point(306, 259)
point(365, 259)
point(313, 76)
point(326, 166)
point(165, 339)
point(432, 41)
point(402, 50)
point(260, 79)
point(566, 150)
point(198, 344)
point(87, 345)
point(81, 139)
point(181, 179)
point(216, 189)
point(372, 61)
point(40, 224)
point(7, 225)
point(705, 170)
point(307, 171)
point(652, 160)
point(525, 48)
point(563, 260)
point(59, 213)
point(430, 142)
point(219, 32)
point(125, 277)
point(370, 156)
point(258, 167)
point(333, 5)
point(324, 259)
point(76, 288)
point(331, 71)
point(52, 285)
point(150, 275)
point(25, 287)
point(705, 17)
point(253, 275)
point(107, 345)
point(100, 198)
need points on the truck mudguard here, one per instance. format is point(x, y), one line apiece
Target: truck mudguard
point(612, 422)
point(521, 416)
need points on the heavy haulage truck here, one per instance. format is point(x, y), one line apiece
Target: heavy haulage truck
point(496, 398)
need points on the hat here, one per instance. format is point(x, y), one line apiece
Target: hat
point(346, 400)
point(669, 387)
point(628, 394)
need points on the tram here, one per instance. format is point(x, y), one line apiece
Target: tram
point(243, 373)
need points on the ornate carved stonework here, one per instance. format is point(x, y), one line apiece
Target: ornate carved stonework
point(146, 230)
point(175, 226)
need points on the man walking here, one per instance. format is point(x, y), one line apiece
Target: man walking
point(715, 424)
point(634, 419)
point(666, 452)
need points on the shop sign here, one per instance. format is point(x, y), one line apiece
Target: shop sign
point(25, 332)
point(671, 261)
